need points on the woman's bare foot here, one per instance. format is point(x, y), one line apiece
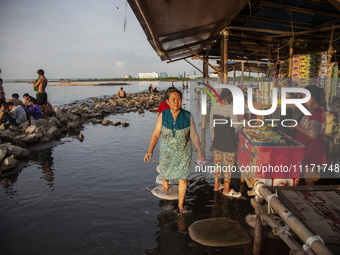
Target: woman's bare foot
point(226, 188)
point(218, 186)
point(182, 209)
point(165, 185)
point(226, 191)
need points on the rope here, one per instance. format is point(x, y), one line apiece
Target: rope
point(286, 223)
point(270, 210)
point(257, 189)
point(310, 240)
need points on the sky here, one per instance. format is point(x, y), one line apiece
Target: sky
point(76, 39)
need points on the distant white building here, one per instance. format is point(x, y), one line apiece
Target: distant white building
point(127, 76)
point(147, 75)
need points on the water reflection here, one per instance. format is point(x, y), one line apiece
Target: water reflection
point(45, 161)
point(7, 184)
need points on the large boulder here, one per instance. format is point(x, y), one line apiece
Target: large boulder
point(8, 164)
point(219, 232)
point(31, 129)
point(30, 138)
point(73, 125)
point(3, 152)
point(53, 131)
point(171, 194)
point(16, 151)
point(106, 122)
point(40, 131)
point(7, 136)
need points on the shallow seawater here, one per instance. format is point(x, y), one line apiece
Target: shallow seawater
point(93, 197)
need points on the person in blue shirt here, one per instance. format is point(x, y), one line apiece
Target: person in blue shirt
point(34, 110)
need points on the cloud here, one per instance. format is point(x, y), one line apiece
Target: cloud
point(120, 64)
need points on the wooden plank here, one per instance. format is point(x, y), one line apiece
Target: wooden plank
point(279, 23)
point(308, 188)
point(262, 30)
point(335, 3)
point(299, 9)
point(151, 28)
point(188, 32)
point(318, 209)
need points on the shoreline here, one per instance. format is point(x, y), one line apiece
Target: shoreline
point(18, 142)
point(91, 84)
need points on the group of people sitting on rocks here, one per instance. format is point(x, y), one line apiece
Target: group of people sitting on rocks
point(14, 111)
point(153, 90)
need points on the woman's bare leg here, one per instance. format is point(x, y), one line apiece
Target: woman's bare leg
point(182, 189)
point(165, 185)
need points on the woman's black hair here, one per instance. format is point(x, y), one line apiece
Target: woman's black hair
point(318, 94)
point(170, 90)
point(226, 95)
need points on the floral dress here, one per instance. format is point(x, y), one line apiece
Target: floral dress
point(175, 146)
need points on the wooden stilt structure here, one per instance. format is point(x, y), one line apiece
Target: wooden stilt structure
point(224, 57)
point(242, 75)
point(291, 51)
point(299, 228)
point(330, 48)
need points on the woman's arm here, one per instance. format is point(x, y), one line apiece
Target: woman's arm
point(154, 138)
point(305, 132)
point(195, 139)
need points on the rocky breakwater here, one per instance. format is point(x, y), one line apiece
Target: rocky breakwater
point(16, 143)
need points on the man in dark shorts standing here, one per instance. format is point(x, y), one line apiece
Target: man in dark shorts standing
point(40, 86)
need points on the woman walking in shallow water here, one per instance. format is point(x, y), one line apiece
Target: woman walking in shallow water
point(177, 128)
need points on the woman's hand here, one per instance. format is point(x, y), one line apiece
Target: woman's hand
point(200, 156)
point(148, 156)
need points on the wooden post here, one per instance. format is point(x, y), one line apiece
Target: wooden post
point(242, 74)
point(330, 48)
point(224, 57)
point(258, 234)
point(268, 63)
point(290, 71)
point(234, 75)
point(204, 117)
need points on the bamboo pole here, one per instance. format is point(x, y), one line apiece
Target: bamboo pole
point(204, 60)
point(268, 63)
point(193, 66)
point(204, 117)
point(258, 235)
point(225, 57)
point(294, 223)
point(242, 73)
point(290, 72)
point(234, 75)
